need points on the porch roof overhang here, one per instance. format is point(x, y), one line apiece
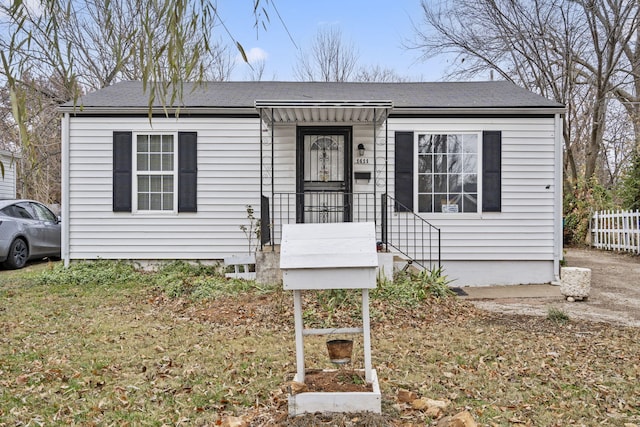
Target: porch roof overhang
point(328, 111)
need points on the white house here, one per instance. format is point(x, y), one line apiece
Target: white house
point(466, 175)
point(8, 181)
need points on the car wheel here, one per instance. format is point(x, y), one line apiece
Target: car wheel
point(18, 255)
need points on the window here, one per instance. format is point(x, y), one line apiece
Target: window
point(459, 175)
point(30, 210)
point(323, 158)
point(183, 171)
point(17, 211)
point(448, 172)
point(155, 172)
point(42, 213)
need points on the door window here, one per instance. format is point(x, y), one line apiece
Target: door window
point(324, 158)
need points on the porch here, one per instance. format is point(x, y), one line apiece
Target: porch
point(398, 230)
point(339, 152)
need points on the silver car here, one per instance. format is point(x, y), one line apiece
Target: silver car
point(28, 230)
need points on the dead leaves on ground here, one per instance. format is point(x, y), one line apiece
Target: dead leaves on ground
point(225, 361)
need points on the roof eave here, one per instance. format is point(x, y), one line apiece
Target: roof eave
point(322, 103)
point(169, 112)
point(395, 111)
point(324, 111)
point(498, 111)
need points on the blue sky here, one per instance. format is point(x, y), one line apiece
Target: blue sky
point(376, 29)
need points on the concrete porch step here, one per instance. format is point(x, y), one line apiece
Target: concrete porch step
point(268, 265)
point(270, 248)
point(401, 262)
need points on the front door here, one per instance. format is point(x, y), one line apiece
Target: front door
point(323, 174)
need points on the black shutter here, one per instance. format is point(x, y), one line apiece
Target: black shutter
point(187, 172)
point(491, 171)
point(122, 171)
point(403, 175)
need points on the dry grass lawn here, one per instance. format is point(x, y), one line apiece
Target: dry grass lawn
point(134, 353)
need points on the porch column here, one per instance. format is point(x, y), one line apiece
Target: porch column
point(375, 164)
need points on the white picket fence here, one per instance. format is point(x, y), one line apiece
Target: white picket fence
point(616, 231)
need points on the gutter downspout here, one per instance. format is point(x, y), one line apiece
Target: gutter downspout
point(65, 252)
point(557, 202)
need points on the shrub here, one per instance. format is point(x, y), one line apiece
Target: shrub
point(95, 273)
point(579, 204)
point(198, 281)
point(409, 288)
point(175, 278)
point(629, 189)
point(556, 315)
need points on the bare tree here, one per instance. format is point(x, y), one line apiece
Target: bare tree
point(58, 49)
point(609, 24)
point(567, 50)
point(626, 88)
point(329, 59)
point(378, 74)
point(256, 70)
point(39, 163)
point(618, 144)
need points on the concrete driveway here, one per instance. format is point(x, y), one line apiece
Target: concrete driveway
point(614, 296)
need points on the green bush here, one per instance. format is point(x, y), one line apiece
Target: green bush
point(198, 281)
point(90, 273)
point(175, 278)
point(410, 288)
point(629, 189)
point(579, 205)
point(180, 279)
point(556, 315)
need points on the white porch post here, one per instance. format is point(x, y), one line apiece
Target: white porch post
point(375, 169)
point(366, 333)
point(299, 327)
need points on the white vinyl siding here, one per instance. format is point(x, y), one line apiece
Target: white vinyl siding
point(524, 229)
point(8, 181)
point(228, 180)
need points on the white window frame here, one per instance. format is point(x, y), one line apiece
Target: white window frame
point(416, 174)
point(137, 172)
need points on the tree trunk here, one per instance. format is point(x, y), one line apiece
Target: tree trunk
point(595, 138)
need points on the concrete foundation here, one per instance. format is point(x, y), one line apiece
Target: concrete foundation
point(268, 267)
point(385, 266)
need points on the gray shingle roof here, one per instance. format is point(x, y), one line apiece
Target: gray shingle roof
point(432, 95)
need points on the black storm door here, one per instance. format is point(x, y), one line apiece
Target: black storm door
point(323, 174)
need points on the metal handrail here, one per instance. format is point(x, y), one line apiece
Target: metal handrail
point(324, 206)
point(400, 228)
point(410, 234)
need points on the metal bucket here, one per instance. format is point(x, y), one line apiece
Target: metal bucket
point(340, 351)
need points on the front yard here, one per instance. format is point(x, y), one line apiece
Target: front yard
point(105, 345)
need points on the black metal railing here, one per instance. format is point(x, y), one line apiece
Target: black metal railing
point(398, 226)
point(319, 207)
point(410, 234)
